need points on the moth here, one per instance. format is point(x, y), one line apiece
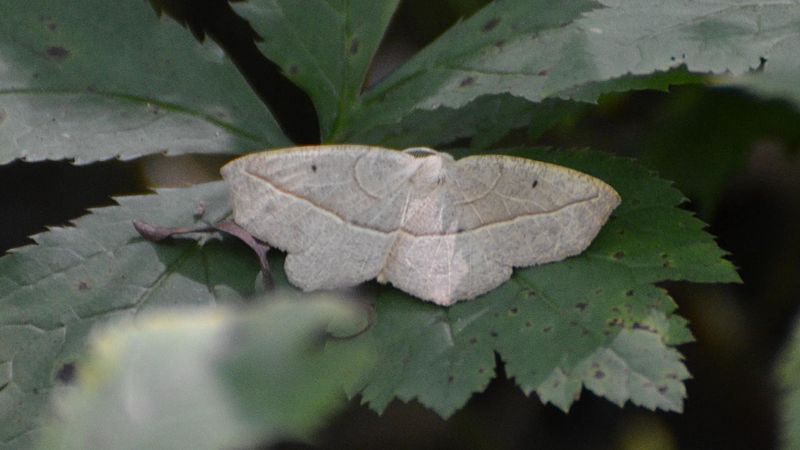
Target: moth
point(440, 229)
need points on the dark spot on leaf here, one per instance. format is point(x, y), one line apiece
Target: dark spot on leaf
point(641, 326)
point(547, 329)
point(619, 255)
point(672, 376)
point(82, 286)
point(52, 25)
point(35, 391)
point(473, 340)
point(491, 24)
point(294, 70)
point(616, 322)
point(91, 88)
point(615, 309)
point(154, 109)
point(662, 390)
point(621, 231)
point(584, 332)
point(664, 256)
point(460, 230)
point(57, 53)
point(556, 383)
point(3, 116)
point(573, 323)
point(598, 291)
point(493, 333)
point(481, 370)
point(528, 323)
point(468, 81)
point(581, 306)
point(672, 58)
point(531, 293)
point(513, 311)
point(543, 73)
point(496, 314)
point(607, 332)
point(666, 264)
point(500, 43)
point(630, 293)
point(313, 167)
point(599, 374)
point(354, 46)
point(535, 183)
point(450, 379)
point(66, 374)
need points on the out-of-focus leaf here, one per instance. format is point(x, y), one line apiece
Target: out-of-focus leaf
point(209, 380)
point(595, 320)
point(788, 374)
point(325, 46)
point(92, 80)
point(52, 293)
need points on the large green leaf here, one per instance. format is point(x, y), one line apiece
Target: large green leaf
point(594, 321)
point(325, 46)
point(529, 49)
point(217, 379)
point(52, 293)
point(578, 50)
point(93, 79)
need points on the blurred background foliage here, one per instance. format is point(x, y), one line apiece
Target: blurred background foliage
point(733, 155)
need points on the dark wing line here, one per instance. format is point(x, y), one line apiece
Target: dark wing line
point(492, 224)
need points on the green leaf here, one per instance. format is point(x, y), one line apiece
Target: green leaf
point(594, 321)
point(52, 293)
point(788, 375)
point(325, 46)
point(92, 80)
point(579, 50)
point(275, 380)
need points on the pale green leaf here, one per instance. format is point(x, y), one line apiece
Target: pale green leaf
point(208, 379)
point(579, 50)
point(92, 80)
